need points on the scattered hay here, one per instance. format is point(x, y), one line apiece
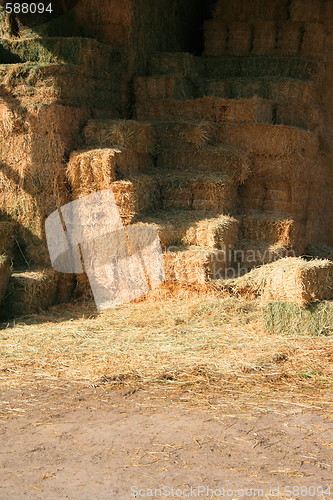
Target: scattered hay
point(284, 318)
point(30, 292)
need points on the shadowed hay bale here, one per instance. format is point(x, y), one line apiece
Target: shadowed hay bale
point(290, 168)
point(315, 38)
point(320, 251)
point(265, 34)
point(198, 192)
point(30, 292)
point(166, 230)
point(184, 135)
point(7, 237)
point(207, 108)
point(193, 265)
point(307, 10)
point(128, 134)
point(289, 39)
point(182, 63)
point(5, 271)
point(248, 254)
point(156, 88)
point(238, 10)
point(230, 161)
point(216, 34)
point(306, 116)
point(290, 280)
point(239, 38)
point(285, 318)
point(270, 229)
point(279, 140)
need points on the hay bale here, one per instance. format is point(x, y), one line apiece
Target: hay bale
point(216, 34)
point(128, 134)
point(315, 39)
point(290, 167)
point(193, 265)
point(250, 254)
point(279, 140)
point(290, 280)
point(239, 38)
point(268, 228)
point(184, 135)
point(160, 87)
point(216, 232)
point(265, 35)
point(285, 318)
point(231, 161)
point(180, 63)
point(238, 10)
point(212, 109)
point(307, 116)
point(30, 292)
point(307, 10)
point(5, 270)
point(195, 191)
point(7, 238)
point(289, 39)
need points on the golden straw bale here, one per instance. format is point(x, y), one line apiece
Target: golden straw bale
point(290, 280)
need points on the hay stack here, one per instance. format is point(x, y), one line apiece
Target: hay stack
point(315, 40)
point(291, 280)
point(284, 318)
point(30, 292)
point(239, 39)
point(5, 271)
point(184, 135)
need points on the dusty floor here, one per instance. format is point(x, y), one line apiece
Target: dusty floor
point(103, 442)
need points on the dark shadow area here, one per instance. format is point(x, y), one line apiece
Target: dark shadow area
point(193, 29)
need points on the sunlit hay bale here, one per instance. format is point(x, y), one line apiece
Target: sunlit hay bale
point(5, 270)
point(265, 35)
point(289, 280)
point(216, 232)
point(193, 265)
point(289, 39)
point(285, 318)
point(216, 34)
point(30, 292)
point(128, 134)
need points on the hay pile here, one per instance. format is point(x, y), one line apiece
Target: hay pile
point(30, 292)
point(291, 280)
point(211, 109)
point(5, 271)
point(284, 318)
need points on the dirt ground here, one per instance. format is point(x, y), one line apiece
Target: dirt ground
point(104, 442)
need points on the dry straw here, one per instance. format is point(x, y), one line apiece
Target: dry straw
point(5, 270)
